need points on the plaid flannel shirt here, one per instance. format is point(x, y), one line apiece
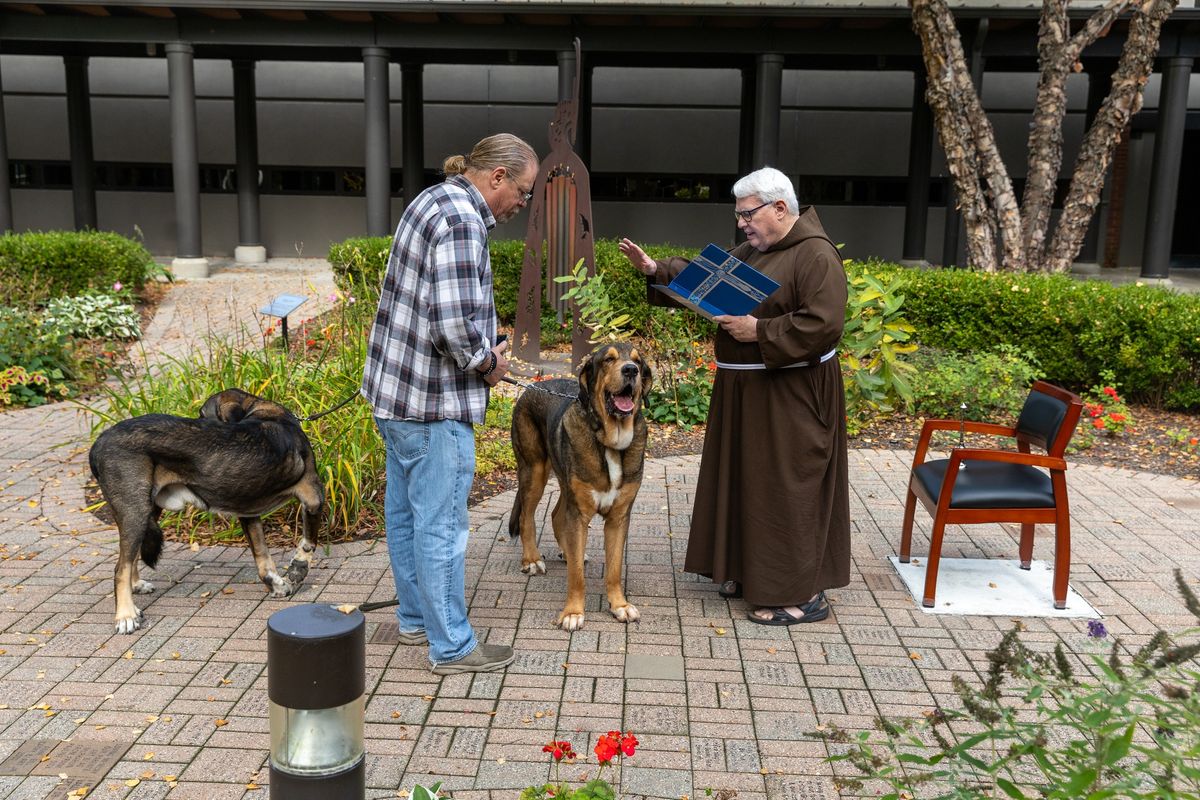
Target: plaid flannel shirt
point(437, 317)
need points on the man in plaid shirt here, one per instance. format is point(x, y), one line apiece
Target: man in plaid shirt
point(431, 359)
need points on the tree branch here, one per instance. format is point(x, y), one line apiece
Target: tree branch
point(1100, 142)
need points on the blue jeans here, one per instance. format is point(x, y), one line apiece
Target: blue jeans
point(430, 466)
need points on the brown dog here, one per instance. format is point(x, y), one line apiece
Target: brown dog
point(595, 443)
point(245, 456)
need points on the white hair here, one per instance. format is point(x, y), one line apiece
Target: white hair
point(768, 185)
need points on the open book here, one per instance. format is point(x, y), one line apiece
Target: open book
point(716, 283)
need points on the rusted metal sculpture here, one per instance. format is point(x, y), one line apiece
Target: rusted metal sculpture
point(561, 218)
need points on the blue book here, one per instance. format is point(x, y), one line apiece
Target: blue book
point(715, 283)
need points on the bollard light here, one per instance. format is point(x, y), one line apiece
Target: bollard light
point(316, 682)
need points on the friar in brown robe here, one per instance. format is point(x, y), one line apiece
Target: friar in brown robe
point(771, 510)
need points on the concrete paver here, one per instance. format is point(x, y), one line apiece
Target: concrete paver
point(717, 702)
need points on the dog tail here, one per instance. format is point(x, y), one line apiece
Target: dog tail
point(514, 519)
point(152, 543)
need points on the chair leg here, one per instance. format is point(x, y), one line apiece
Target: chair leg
point(931, 561)
point(910, 507)
point(1026, 544)
point(1062, 560)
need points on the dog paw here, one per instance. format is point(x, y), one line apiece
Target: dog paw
point(296, 572)
point(129, 624)
point(570, 622)
point(143, 587)
point(626, 613)
point(534, 567)
point(279, 586)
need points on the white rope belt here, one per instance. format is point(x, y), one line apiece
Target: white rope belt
point(823, 359)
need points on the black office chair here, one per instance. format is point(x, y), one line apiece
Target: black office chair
point(982, 485)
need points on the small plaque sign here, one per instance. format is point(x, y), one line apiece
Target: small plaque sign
point(386, 633)
point(89, 761)
point(22, 760)
point(283, 305)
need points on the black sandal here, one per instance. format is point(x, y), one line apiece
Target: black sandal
point(730, 590)
point(814, 610)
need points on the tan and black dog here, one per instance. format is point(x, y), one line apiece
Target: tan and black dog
point(595, 443)
point(244, 456)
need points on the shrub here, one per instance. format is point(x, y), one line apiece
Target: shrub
point(362, 262)
point(35, 267)
point(1129, 729)
point(36, 350)
point(93, 316)
point(359, 262)
point(873, 341)
point(992, 385)
point(1148, 336)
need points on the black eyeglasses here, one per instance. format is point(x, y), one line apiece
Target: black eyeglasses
point(749, 212)
point(525, 196)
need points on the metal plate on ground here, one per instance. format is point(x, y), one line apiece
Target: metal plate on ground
point(22, 760)
point(386, 633)
point(88, 761)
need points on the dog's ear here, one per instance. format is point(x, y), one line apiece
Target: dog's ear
point(647, 380)
point(587, 380)
point(211, 408)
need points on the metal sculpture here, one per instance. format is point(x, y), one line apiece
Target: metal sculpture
point(561, 219)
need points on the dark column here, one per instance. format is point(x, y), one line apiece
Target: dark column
point(746, 122)
point(746, 136)
point(185, 162)
point(951, 232)
point(1164, 174)
point(566, 75)
point(379, 165)
point(920, 147)
point(245, 124)
point(768, 89)
point(1099, 85)
point(79, 129)
point(413, 119)
point(6, 216)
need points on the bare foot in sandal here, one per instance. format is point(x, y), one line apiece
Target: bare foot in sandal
point(814, 610)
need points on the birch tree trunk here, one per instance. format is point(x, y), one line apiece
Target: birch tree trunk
point(986, 196)
point(965, 131)
point(1058, 55)
point(1101, 140)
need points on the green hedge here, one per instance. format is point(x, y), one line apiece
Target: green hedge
point(365, 260)
point(35, 267)
point(1148, 336)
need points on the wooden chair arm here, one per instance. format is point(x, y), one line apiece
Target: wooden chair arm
point(967, 426)
point(960, 454)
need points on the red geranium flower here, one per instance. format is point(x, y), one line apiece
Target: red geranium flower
point(559, 750)
point(1099, 423)
point(606, 748)
point(628, 743)
point(1111, 392)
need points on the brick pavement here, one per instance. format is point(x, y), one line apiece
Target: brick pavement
point(716, 701)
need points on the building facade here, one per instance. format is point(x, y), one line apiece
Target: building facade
point(214, 129)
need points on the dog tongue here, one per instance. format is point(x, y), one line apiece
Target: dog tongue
point(622, 403)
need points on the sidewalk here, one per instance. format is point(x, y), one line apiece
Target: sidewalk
point(179, 709)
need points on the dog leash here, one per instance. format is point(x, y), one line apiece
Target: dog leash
point(525, 385)
point(345, 402)
point(506, 379)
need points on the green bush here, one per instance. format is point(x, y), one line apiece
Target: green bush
point(1148, 337)
point(35, 267)
point(29, 347)
point(363, 261)
point(93, 316)
point(993, 385)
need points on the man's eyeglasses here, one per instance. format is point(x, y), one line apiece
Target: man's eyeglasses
point(525, 196)
point(745, 215)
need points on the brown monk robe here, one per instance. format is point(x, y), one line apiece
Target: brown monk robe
point(772, 500)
